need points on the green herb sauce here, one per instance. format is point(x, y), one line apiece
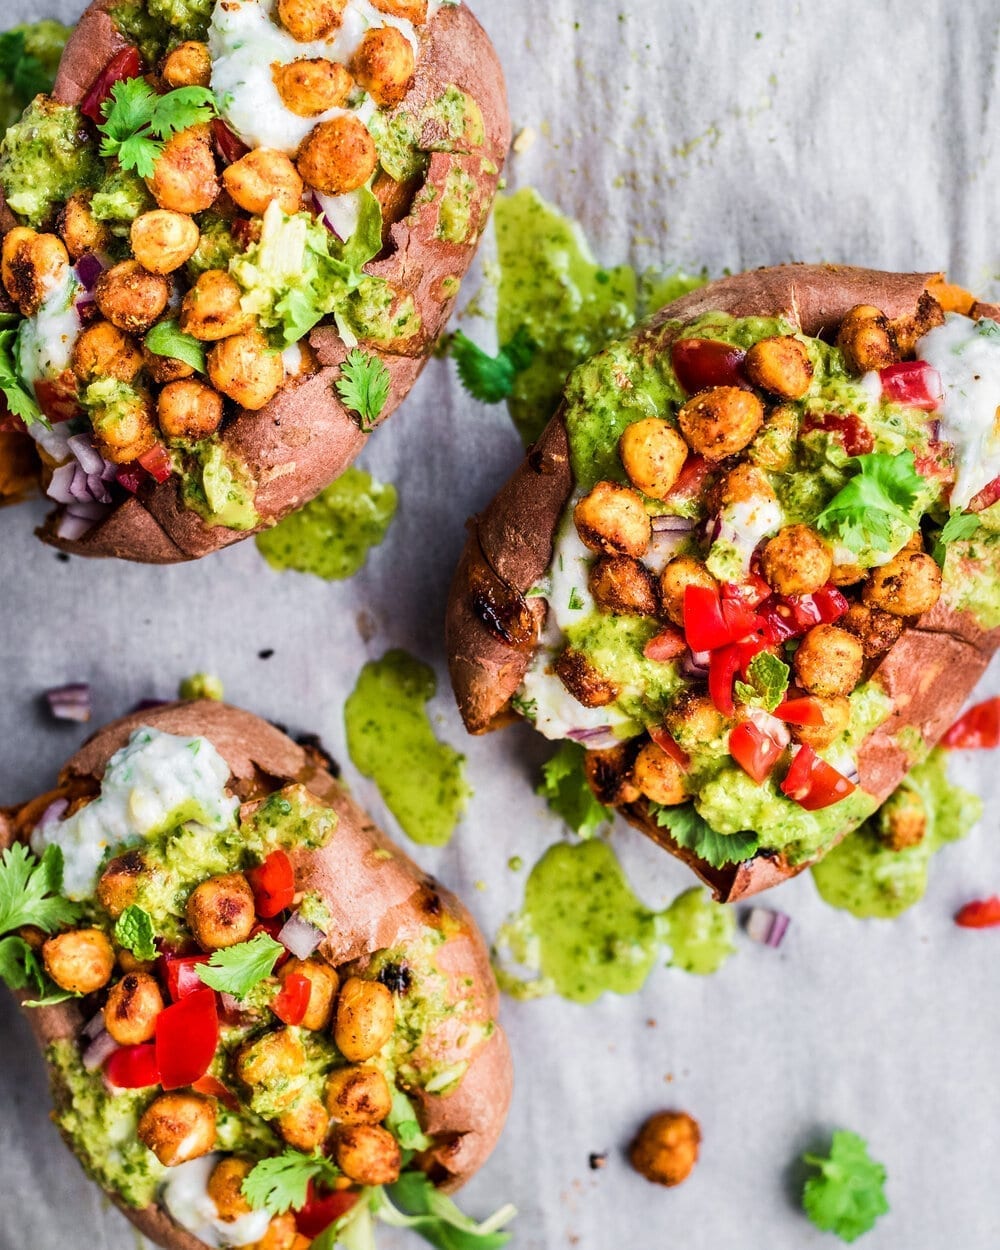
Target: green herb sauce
point(44, 159)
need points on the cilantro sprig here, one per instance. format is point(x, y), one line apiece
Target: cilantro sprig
point(364, 385)
point(491, 378)
point(691, 830)
point(959, 528)
point(848, 1195)
point(19, 399)
point(138, 122)
point(875, 504)
point(281, 1183)
point(766, 684)
point(134, 932)
point(568, 793)
point(30, 897)
point(238, 969)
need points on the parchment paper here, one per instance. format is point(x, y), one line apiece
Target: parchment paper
point(699, 134)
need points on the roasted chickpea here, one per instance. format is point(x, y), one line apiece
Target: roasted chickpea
point(124, 428)
point(797, 561)
point(245, 369)
point(908, 330)
point(338, 156)
point(414, 11)
point(384, 65)
point(829, 661)
point(262, 176)
point(189, 410)
point(774, 447)
point(272, 1061)
point(658, 777)
point(81, 961)
point(902, 820)
point(653, 454)
point(368, 1155)
point(876, 630)
point(32, 265)
point(909, 585)
point(694, 719)
point(305, 1125)
point(80, 229)
point(666, 1147)
point(866, 339)
point(612, 520)
point(131, 297)
point(847, 574)
point(127, 962)
point(185, 177)
point(836, 718)
point(282, 1235)
point(583, 681)
point(311, 20)
point(225, 1188)
point(212, 309)
point(623, 585)
point(104, 351)
point(358, 1096)
point(721, 421)
point(311, 87)
point(189, 65)
point(178, 1128)
point(220, 912)
point(680, 573)
point(323, 983)
point(163, 240)
point(780, 366)
point(366, 1017)
point(743, 484)
point(132, 1007)
point(165, 369)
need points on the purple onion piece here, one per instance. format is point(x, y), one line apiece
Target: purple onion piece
point(82, 446)
point(98, 491)
point(766, 926)
point(672, 524)
point(72, 528)
point(88, 269)
point(55, 811)
point(300, 937)
point(147, 705)
point(62, 480)
point(99, 1051)
point(89, 511)
point(70, 702)
point(695, 664)
point(94, 1026)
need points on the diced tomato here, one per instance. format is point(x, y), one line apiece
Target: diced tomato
point(705, 627)
point(807, 711)
point(273, 884)
point(913, 383)
point(977, 730)
point(228, 144)
point(779, 620)
point(821, 608)
point(701, 363)
point(755, 751)
point(181, 974)
point(322, 1209)
point(124, 64)
point(292, 1000)
point(983, 913)
point(666, 742)
point(750, 648)
point(667, 645)
point(752, 592)
point(855, 437)
point(741, 620)
point(212, 1087)
point(157, 462)
point(187, 1035)
point(691, 481)
point(813, 783)
point(58, 399)
point(133, 1067)
point(130, 476)
point(723, 665)
point(987, 497)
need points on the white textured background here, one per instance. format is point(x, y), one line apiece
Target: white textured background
point(691, 134)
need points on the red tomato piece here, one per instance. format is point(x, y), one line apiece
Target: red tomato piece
point(977, 730)
point(701, 363)
point(323, 1209)
point(273, 884)
point(181, 974)
point(58, 399)
point(292, 1000)
point(805, 711)
point(133, 1067)
point(228, 144)
point(830, 603)
point(855, 437)
point(752, 592)
point(157, 462)
point(130, 476)
point(741, 619)
point(691, 481)
point(705, 627)
point(913, 383)
point(983, 913)
point(666, 742)
point(986, 497)
point(123, 65)
point(667, 645)
point(754, 750)
point(723, 665)
point(779, 620)
point(187, 1035)
point(212, 1087)
point(813, 783)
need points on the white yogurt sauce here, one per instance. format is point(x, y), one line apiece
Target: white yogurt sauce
point(157, 780)
point(743, 526)
point(185, 1195)
point(44, 349)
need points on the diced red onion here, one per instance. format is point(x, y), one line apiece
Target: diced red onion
point(83, 301)
point(52, 813)
point(70, 702)
point(695, 664)
point(62, 480)
point(98, 490)
point(672, 524)
point(130, 476)
point(99, 1051)
point(88, 269)
point(82, 447)
point(90, 511)
point(321, 214)
point(594, 739)
point(300, 937)
point(147, 705)
point(71, 528)
point(775, 729)
point(231, 1004)
point(79, 488)
point(94, 1026)
point(766, 926)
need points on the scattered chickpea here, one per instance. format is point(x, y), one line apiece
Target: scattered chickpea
point(225, 1188)
point(875, 629)
point(189, 410)
point(282, 1234)
point(245, 369)
point(797, 561)
point(658, 777)
point(780, 366)
point(262, 176)
point(721, 421)
point(743, 484)
point(694, 719)
point(323, 983)
point(679, 574)
point(185, 177)
point(32, 265)
point(305, 1126)
point(612, 520)
point(836, 718)
point(80, 961)
point(125, 430)
point(220, 912)
point(366, 1017)
point(385, 65)
point(909, 585)
point(623, 585)
point(80, 229)
point(609, 774)
point(178, 1128)
point(358, 1096)
point(847, 574)
point(903, 820)
point(414, 11)
point(131, 297)
point(311, 20)
point(653, 454)
point(132, 1007)
point(338, 156)
point(583, 681)
point(271, 1060)
point(666, 1148)
point(774, 447)
point(368, 1154)
point(163, 240)
point(212, 309)
point(104, 351)
point(165, 369)
point(866, 340)
point(829, 661)
point(189, 65)
point(910, 329)
point(313, 86)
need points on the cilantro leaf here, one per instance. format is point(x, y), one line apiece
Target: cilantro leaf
point(874, 505)
point(134, 931)
point(168, 339)
point(565, 787)
point(364, 386)
point(19, 965)
point(848, 1196)
point(281, 1183)
point(691, 830)
point(19, 399)
point(138, 121)
point(768, 682)
point(959, 527)
point(237, 969)
point(414, 1202)
point(29, 890)
point(491, 378)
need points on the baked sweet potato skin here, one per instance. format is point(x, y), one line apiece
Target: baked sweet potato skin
point(305, 438)
point(928, 673)
point(377, 898)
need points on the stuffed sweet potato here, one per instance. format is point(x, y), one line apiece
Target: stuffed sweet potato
point(232, 236)
point(258, 1007)
point(753, 564)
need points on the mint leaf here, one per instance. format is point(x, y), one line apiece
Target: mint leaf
point(134, 932)
point(767, 682)
point(168, 339)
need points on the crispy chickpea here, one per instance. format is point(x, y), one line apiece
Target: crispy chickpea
point(80, 961)
point(836, 718)
point(245, 369)
point(271, 1060)
point(80, 229)
point(876, 630)
point(612, 520)
point(366, 1017)
point(185, 177)
point(104, 351)
point(583, 681)
point(338, 156)
point(358, 1096)
point(260, 177)
point(220, 912)
point(829, 661)
point(623, 585)
point(847, 574)
point(178, 1128)
point(780, 366)
point(311, 20)
point(866, 339)
point(131, 297)
point(680, 573)
point(189, 65)
point(743, 484)
point(128, 963)
point(609, 774)
point(908, 330)
point(414, 11)
point(384, 65)
point(694, 719)
point(165, 369)
point(212, 309)
point(909, 585)
point(368, 1155)
point(132, 1007)
point(902, 821)
point(189, 410)
point(658, 777)
point(31, 265)
point(666, 1147)
point(225, 1188)
point(305, 1125)
point(323, 983)
point(281, 1235)
point(797, 561)
point(774, 447)
point(163, 240)
point(653, 454)
point(125, 429)
point(311, 87)
point(721, 421)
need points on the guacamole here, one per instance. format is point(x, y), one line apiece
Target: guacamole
point(44, 158)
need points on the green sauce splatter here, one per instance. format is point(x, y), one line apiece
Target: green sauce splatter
point(699, 932)
point(331, 536)
point(390, 739)
point(201, 686)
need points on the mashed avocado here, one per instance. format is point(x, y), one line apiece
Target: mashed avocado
point(455, 224)
point(121, 197)
point(44, 158)
point(156, 25)
point(219, 487)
